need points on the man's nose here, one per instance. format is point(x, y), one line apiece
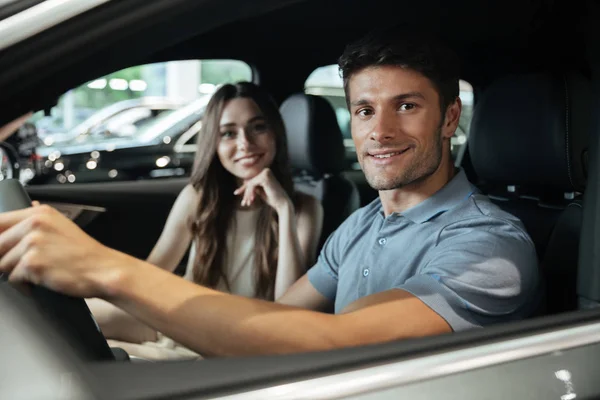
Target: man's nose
point(384, 128)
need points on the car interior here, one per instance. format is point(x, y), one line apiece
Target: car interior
point(318, 158)
point(541, 184)
point(532, 147)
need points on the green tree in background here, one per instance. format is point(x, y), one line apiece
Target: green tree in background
point(99, 98)
point(86, 101)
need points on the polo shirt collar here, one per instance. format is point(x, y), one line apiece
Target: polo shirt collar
point(456, 191)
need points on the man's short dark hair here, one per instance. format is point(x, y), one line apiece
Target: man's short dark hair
point(420, 52)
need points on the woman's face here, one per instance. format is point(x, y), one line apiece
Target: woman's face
point(246, 143)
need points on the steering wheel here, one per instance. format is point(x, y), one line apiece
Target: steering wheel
point(71, 316)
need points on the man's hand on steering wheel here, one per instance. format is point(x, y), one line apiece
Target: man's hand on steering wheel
point(42, 246)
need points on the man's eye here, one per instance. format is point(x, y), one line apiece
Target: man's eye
point(364, 112)
point(407, 107)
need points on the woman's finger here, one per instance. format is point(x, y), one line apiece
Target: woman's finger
point(245, 196)
point(239, 190)
point(248, 195)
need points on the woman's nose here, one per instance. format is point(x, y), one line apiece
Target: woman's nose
point(242, 140)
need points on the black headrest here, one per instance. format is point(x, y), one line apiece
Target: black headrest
point(315, 141)
point(532, 130)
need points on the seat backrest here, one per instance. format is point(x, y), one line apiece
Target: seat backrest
point(528, 147)
point(317, 156)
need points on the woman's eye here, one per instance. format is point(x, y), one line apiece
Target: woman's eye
point(407, 107)
point(259, 128)
point(227, 134)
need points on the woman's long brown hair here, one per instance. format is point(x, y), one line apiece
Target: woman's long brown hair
point(217, 204)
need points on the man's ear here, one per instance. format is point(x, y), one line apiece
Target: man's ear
point(451, 118)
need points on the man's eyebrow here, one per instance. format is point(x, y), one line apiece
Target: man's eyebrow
point(406, 96)
point(360, 102)
point(400, 97)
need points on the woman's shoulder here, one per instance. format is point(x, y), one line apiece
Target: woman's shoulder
point(187, 200)
point(189, 194)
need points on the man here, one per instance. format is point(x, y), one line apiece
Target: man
point(430, 256)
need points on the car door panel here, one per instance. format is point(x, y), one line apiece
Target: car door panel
point(547, 358)
point(127, 216)
point(81, 214)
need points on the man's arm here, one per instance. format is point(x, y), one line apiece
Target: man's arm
point(41, 246)
point(303, 294)
point(217, 324)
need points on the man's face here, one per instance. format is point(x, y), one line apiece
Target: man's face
point(397, 126)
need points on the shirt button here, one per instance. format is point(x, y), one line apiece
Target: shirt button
point(366, 272)
point(382, 241)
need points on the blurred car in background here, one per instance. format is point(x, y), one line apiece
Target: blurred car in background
point(119, 119)
point(162, 147)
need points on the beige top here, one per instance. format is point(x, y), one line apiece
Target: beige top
point(239, 266)
point(239, 256)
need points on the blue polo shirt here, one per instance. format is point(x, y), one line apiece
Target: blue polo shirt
point(460, 254)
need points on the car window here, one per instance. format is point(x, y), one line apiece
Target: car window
point(140, 113)
point(327, 82)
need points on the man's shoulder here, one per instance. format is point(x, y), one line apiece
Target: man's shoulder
point(479, 214)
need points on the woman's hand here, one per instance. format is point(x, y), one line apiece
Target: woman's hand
point(267, 187)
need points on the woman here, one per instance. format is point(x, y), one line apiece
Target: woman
point(250, 233)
